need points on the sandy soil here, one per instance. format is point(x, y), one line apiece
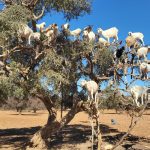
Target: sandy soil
point(16, 129)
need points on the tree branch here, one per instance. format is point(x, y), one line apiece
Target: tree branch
point(131, 126)
point(39, 16)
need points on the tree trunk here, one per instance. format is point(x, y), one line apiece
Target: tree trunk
point(41, 138)
point(62, 101)
point(34, 26)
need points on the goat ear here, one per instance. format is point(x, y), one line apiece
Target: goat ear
point(90, 28)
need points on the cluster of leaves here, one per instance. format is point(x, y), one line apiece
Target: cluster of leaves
point(10, 18)
point(9, 88)
point(71, 9)
point(111, 99)
point(104, 59)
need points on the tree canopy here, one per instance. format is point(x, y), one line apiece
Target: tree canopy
point(48, 70)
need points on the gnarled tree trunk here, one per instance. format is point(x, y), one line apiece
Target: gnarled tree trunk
point(41, 138)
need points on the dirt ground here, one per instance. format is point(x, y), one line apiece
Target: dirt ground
point(16, 129)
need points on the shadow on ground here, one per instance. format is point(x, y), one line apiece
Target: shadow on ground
point(16, 137)
point(72, 134)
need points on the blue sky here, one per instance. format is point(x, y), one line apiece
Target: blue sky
point(126, 15)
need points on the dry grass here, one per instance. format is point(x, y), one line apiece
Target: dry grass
point(16, 129)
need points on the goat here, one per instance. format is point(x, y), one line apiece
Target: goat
point(35, 36)
point(65, 26)
point(130, 41)
point(109, 33)
point(137, 35)
point(144, 69)
point(24, 31)
point(92, 88)
point(142, 52)
point(138, 92)
point(103, 41)
point(118, 53)
point(41, 26)
point(75, 33)
point(89, 36)
point(51, 32)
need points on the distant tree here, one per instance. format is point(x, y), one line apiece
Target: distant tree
point(34, 104)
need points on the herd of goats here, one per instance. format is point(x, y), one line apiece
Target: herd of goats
point(134, 47)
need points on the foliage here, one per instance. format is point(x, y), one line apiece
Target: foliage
point(111, 99)
point(71, 9)
point(10, 18)
point(104, 59)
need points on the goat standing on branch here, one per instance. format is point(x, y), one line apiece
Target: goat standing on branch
point(103, 41)
point(88, 34)
point(130, 42)
point(51, 32)
point(142, 52)
point(92, 88)
point(25, 32)
point(109, 33)
point(137, 36)
point(138, 92)
point(144, 70)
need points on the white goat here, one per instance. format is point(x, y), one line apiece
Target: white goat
point(130, 41)
point(65, 26)
point(24, 31)
point(103, 41)
point(92, 88)
point(144, 69)
point(51, 32)
point(142, 52)
point(138, 92)
point(76, 33)
point(35, 36)
point(89, 36)
point(41, 26)
point(137, 35)
point(109, 33)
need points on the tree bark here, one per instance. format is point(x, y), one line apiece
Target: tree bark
point(34, 25)
point(41, 138)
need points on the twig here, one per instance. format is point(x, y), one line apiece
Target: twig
point(131, 126)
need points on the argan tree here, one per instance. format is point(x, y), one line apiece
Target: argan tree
point(48, 70)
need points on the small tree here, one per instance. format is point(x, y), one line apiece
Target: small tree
point(35, 104)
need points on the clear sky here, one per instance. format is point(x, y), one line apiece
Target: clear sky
point(126, 15)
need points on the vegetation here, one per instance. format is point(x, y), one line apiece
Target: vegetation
point(48, 72)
